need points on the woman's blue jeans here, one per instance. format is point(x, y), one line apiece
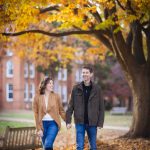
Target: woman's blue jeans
point(49, 134)
point(80, 135)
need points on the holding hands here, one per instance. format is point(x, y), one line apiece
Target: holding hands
point(69, 126)
point(40, 133)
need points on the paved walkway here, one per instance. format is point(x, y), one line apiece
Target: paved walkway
point(32, 121)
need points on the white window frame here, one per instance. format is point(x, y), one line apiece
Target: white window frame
point(64, 94)
point(26, 92)
point(62, 74)
point(9, 91)
point(26, 69)
point(59, 74)
point(31, 70)
point(62, 90)
point(31, 90)
point(9, 69)
point(9, 53)
point(78, 76)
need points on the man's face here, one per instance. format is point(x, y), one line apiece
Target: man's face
point(86, 75)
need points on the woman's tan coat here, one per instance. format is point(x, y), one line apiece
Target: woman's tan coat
point(54, 108)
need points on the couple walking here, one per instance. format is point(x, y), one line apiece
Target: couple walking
point(85, 103)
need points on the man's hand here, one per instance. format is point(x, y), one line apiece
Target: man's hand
point(69, 126)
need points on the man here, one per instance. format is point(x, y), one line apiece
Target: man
point(88, 106)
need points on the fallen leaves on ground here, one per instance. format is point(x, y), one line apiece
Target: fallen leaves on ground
point(116, 144)
point(107, 140)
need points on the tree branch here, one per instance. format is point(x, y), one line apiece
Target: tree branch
point(145, 23)
point(55, 34)
point(51, 8)
point(129, 39)
point(123, 52)
point(138, 51)
point(147, 33)
point(97, 17)
point(129, 7)
point(104, 40)
point(106, 13)
point(121, 6)
point(118, 56)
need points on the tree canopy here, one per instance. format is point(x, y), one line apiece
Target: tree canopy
point(69, 17)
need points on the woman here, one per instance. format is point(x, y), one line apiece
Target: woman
point(47, 111)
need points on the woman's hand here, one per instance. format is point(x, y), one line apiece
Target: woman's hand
point(40, 133)
point(69, 126)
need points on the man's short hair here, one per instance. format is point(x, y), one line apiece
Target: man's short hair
point(88, 67)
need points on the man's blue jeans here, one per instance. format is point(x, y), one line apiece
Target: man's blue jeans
point(49, 134)
point(80, 135)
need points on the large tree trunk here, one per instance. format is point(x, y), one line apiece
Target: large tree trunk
point(140, 86)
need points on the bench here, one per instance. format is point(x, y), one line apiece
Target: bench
point(19, 139)
point(118, 111)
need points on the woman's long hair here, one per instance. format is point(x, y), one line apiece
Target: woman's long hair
point(43, 84)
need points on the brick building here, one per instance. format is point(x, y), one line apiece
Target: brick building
point(19, 80)
point(65, 81)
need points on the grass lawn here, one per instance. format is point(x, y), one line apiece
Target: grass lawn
point(3, 125)
point(18, 114)
point(117, 120)
point(15, 114)
point(110, 120)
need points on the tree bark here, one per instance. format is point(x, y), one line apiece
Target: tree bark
point(140, 87)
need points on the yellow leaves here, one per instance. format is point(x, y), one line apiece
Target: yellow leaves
point(116, 144)
point(3, 38)
point(65, 55)
point(106, 3)
point(105, 24)
point(73, 15)
point(23, 13)
point(94, 53)
point(25, 17)
point(19, 12)
point(131, 18)
point(21, 53)
point(42, 50)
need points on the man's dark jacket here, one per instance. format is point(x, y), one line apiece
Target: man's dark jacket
point(95, 106)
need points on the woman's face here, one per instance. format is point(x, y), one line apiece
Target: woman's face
point(49, 86)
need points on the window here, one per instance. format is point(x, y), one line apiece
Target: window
point(59, 74)
point(9, 53)
point(31, 91)
point(62, 74)
point(26, 70)
point(9, 69)
point(9, 92)
point(63, 92)
point(78, 77)
point(26, 92)
point(32, 70)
